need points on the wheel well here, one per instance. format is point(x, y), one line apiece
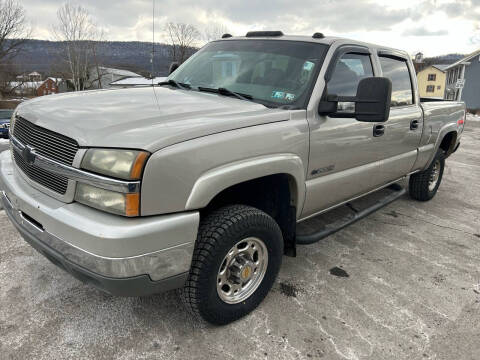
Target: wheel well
point(448, 143)
point(275, 194)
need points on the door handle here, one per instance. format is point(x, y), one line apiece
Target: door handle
point(414, 124)
point(378, 130)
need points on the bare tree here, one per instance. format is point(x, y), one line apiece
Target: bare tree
point(14, 32)
point(79, 34)
point(214, 31)
point(182, 40)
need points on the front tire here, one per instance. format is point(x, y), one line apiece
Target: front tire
point(424, 185)
point(236, 260)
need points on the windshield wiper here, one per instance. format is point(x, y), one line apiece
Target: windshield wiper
point(226, 92)
point(176, 84)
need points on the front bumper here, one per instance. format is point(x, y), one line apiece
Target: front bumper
point(121, 256)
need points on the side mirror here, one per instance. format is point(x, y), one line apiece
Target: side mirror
point(173, 66)
point(374, 95)
point(372, 102)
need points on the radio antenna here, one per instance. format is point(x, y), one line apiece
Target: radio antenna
point(152, 60)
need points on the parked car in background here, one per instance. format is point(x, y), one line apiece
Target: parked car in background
point(5, 116)
point(199, 183)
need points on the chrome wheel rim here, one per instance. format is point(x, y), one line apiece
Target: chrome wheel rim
point(242, 270)
point(434, 175)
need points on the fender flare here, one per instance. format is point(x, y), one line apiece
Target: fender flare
point(214, 181)
point(441, 134)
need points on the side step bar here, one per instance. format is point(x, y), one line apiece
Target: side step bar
point(348, 220)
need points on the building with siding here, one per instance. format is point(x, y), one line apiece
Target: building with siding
point(431, 81)
point(463, 81)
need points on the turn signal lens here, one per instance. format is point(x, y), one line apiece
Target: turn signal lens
point(138, 165)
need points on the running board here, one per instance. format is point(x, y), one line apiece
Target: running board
point(348, 220)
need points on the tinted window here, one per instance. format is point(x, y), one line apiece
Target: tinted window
point(350, 69)
point(397, 71)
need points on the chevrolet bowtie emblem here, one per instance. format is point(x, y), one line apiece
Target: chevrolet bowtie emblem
point(29, 155)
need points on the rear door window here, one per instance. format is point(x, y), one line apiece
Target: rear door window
point(396, 70)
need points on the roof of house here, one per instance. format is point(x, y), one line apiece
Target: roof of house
point(441, 67)
point(26, 84)
point(466, 58)
point(137, 81)
point(119, 72)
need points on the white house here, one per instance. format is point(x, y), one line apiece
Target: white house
point(101, 77)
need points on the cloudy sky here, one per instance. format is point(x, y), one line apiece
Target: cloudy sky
point(431, 26)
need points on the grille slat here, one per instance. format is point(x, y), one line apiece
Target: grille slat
point(49, 144)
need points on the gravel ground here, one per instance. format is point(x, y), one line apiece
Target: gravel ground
point(403, 283)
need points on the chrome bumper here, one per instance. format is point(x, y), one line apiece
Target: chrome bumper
point(108, 245)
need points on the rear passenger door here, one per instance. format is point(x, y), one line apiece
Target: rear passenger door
point(403, 130)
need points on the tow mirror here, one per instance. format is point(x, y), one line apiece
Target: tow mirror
point(173, 66)
point(371, 104)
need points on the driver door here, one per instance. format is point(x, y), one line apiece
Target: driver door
point(343, 159)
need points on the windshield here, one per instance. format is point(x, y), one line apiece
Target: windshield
point(273, 72)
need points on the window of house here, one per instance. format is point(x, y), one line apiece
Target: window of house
point(396, 69)
point(349, 70)
point(439, 87)
point(430, 88)
point(432, 77)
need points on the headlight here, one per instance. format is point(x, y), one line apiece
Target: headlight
point(110, 201)
point(122, 164)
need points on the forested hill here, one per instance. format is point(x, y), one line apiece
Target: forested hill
point(46, 56)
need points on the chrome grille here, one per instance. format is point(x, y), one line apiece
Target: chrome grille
point(45, 178)
point(49, 144)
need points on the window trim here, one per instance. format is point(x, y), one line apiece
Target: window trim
point(342, 50)
point(399, 56)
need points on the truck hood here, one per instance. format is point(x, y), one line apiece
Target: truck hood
point(143, 118)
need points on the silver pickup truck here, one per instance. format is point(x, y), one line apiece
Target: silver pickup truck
point(199, 182)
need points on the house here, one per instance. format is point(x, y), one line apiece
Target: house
point(32, 77)
point(431, 81)
point(101, 77)
point(418, 63)
point(463, 81)
point(25, 88)
point(49, 86)
point(136, 82)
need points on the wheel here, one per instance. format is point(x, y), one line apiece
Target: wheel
point(237, 257)
point(424, 185)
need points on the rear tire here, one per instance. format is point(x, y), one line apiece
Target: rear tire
point(237, 257)
point(424, 185)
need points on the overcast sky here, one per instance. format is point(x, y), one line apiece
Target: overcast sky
point(431, 26)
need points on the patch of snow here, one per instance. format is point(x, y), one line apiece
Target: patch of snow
point(472, 117)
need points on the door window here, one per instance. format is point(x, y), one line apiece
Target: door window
point(350, 69)
point(397, 71)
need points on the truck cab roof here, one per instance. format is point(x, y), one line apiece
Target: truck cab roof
point(327, 40)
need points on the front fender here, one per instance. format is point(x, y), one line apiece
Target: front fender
point(218, 179)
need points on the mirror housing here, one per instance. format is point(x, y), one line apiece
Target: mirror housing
point(372, 102)
point(173, 66)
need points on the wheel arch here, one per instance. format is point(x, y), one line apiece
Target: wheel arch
point(215, 181)
point(446, 140)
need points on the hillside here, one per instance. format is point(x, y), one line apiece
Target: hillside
point(46, 56)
